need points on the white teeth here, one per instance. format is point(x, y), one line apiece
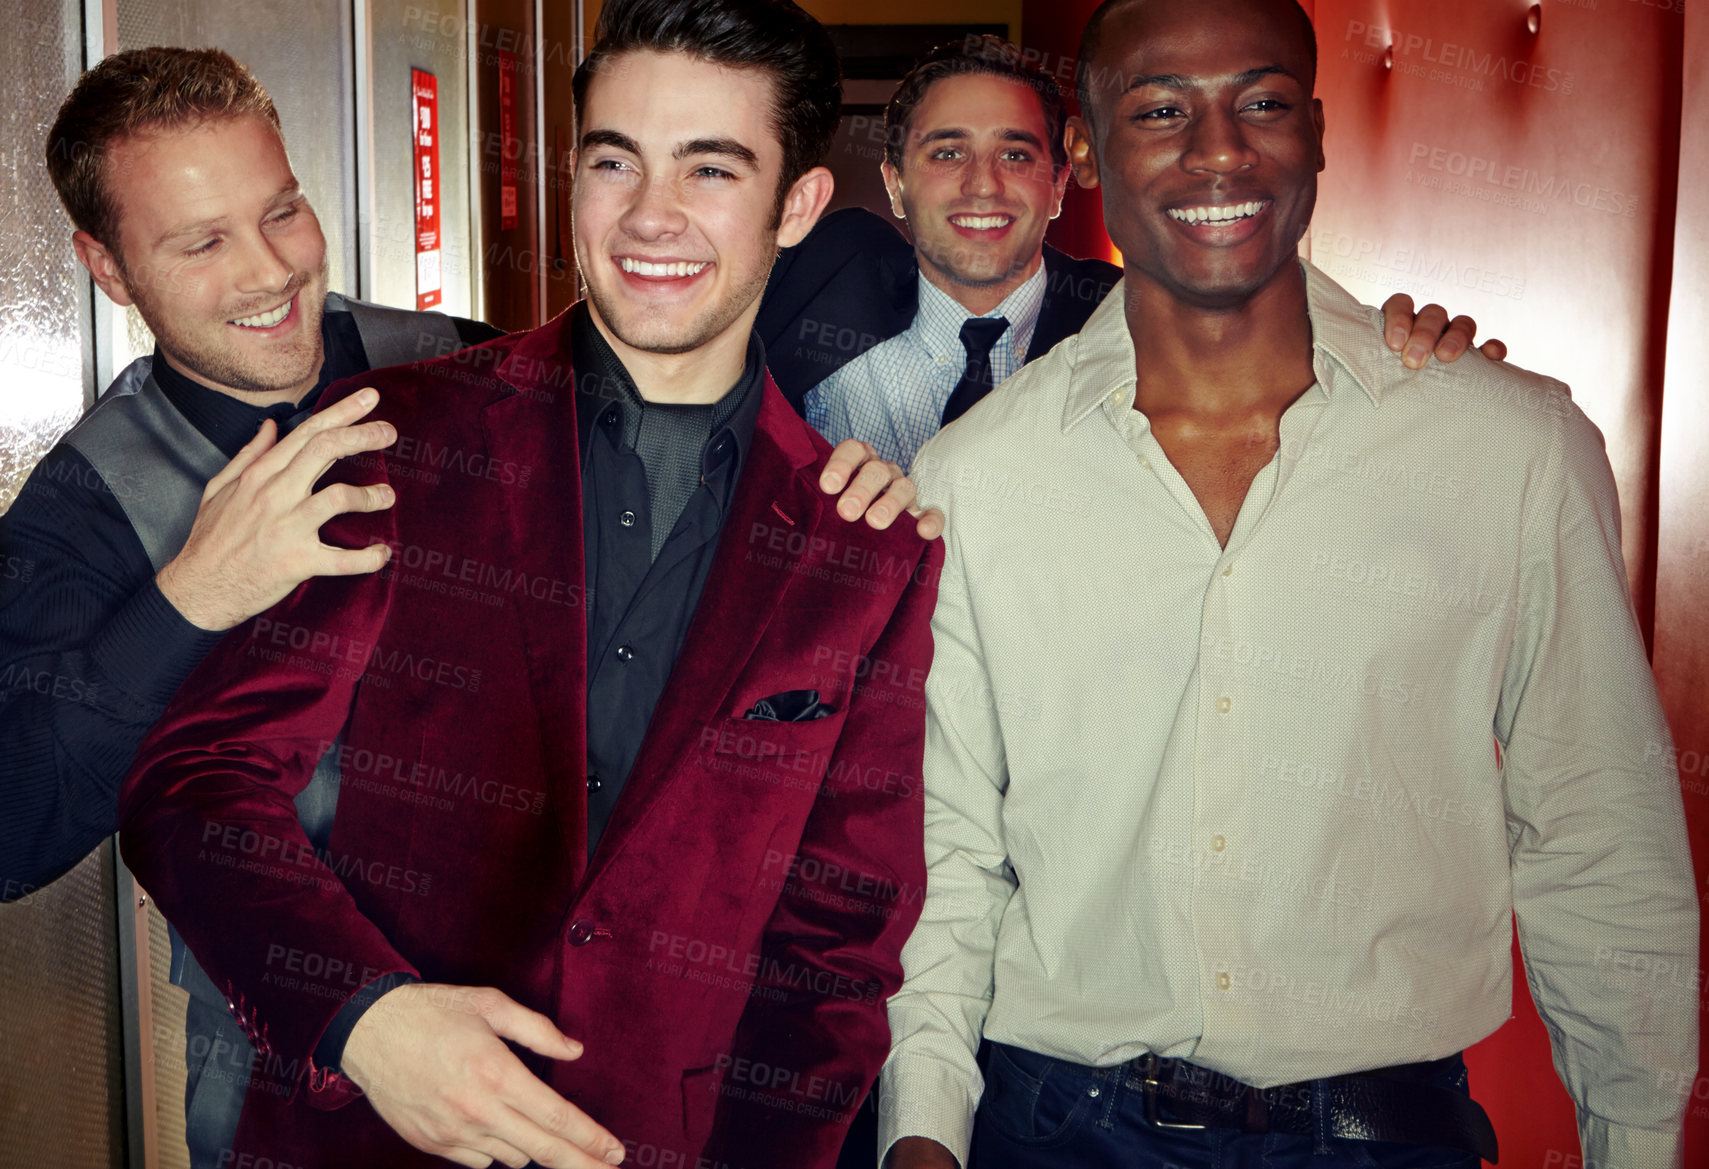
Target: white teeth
point(265, 320)
point(1223, 214)
point(981, 222)
point(646, 268)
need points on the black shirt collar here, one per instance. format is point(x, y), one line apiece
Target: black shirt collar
point(230, 422)
point(607, 395)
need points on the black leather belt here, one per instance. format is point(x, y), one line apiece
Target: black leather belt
point(1391, 1104)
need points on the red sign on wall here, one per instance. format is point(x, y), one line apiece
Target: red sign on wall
point(425, 103)
point(510, 144)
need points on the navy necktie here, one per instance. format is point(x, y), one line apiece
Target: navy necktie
point(978, 335)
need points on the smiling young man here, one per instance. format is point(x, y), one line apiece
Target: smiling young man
point(1226, 874)
point(885, 342)
point(185, 501)
point(644, 785)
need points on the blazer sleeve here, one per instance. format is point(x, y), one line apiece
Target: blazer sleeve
point(208, 825)
point(815, 1034)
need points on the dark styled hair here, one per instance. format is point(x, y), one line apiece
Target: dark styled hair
point(771, 35)
point(973, 54)
point(131, 93)
point(1088, 78)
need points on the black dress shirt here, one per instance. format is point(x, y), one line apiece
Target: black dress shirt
point(229, 423)
point(657, 481)
point(90, 649)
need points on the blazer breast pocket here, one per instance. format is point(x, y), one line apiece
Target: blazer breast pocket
point(784, 753)
point(791, 706)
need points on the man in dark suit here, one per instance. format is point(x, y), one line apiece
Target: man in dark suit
point(877, 339)
point(708, 884)
point(882, 340)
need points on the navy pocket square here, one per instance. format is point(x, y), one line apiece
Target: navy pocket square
point(791, 706)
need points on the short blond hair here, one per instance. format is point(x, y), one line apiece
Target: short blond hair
point(161, 87)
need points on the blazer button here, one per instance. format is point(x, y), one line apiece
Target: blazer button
point(625, 653)
point(594, 783)
point(581, 932)
point(626, 518)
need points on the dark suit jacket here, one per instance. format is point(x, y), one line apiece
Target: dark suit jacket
point(727, 955)
point(854, 282)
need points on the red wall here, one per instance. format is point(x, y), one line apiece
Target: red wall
point(1682, 559)
point(1526, 164)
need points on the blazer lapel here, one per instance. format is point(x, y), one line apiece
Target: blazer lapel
point(743, 588)
point(1056, 316)
point(902, 281)
point(535, 428)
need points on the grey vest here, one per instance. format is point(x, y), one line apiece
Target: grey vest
point(157, 464)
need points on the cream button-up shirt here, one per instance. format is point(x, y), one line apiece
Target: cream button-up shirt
point(1270, 807)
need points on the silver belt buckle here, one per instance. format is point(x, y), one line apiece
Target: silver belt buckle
point(1151, 1085)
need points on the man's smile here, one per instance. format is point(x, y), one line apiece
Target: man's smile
point(268, 319)
point(661, 269)
point(1218, 213)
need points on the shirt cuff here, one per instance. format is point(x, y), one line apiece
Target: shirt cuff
point(148, 648)
point(1618, 1146)
point(329, 1052)
point(925, 1097)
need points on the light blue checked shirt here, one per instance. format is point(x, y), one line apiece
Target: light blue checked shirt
point(893, 395)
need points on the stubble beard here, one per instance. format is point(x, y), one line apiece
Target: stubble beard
point(211, 359)
point(649, 333)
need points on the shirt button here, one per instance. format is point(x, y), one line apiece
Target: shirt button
point(594, 783)
point(626, 518)
point(1229, 571)
point(610, 418)
point(1218, 844)
point(626, 653)
point(1222, 982)
point(581, 932)
point(1145, 462)
point(1223, 704)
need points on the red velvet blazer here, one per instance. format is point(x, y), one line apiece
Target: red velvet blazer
point(727, 956)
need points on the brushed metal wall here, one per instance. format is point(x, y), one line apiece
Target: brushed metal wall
point(432, 35)
point(61, 1050)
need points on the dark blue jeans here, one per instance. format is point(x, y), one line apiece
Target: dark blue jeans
point(218, 1062)
point(1041, 1113)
